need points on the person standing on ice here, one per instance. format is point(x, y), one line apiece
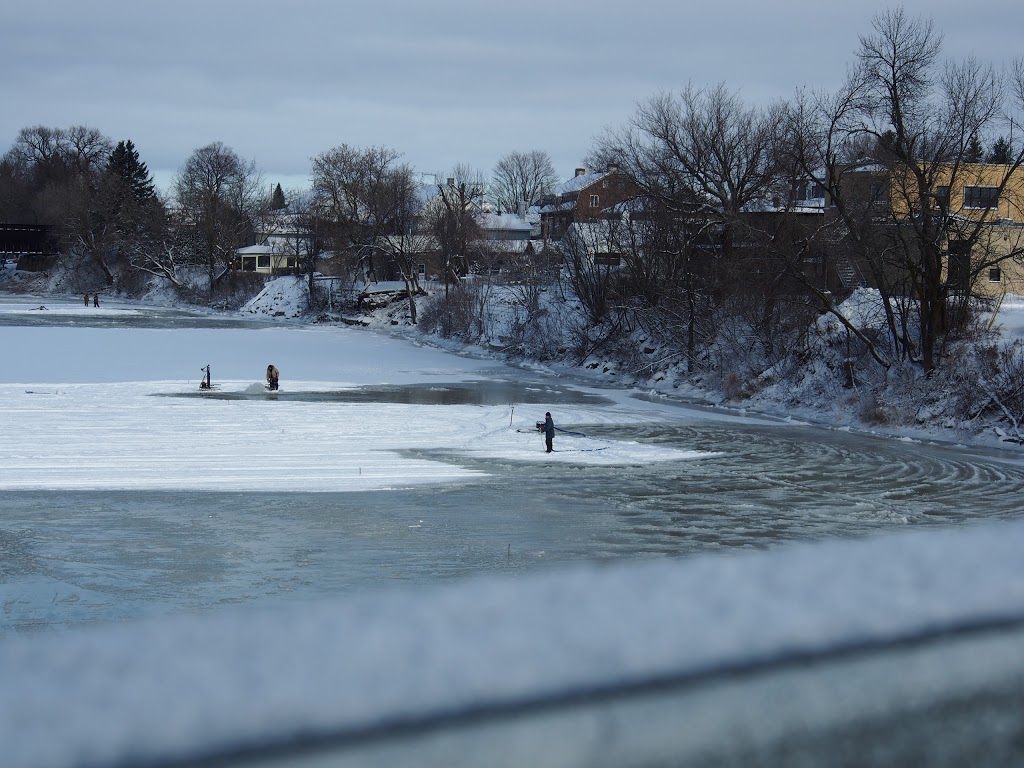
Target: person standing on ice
point(549, 431)
point(273, 376)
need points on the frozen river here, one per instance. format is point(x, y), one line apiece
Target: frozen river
point(121, 500)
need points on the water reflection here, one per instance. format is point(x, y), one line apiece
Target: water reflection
point(484, 392)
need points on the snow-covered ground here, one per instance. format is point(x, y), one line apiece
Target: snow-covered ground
point(105, 408)
point(120, 408)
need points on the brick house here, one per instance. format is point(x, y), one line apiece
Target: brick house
point(586, 197)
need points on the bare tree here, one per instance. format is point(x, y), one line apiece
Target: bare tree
point(889, 147)
point(304, 243)
point(66, 185)
point(368, 204)
point(167, 256)
point(218, 194)
point(522, 177)
point(452, 219)
point(700, 159)
point(705, 141)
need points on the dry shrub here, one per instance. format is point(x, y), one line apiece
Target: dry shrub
point(733, 386)
point(453, 314)
point(871, 411)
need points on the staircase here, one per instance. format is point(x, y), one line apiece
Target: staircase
point(849, 275)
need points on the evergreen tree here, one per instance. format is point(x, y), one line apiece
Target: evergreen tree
point(277, 201)
point(125, 164)
point(974, 152)
point(1001, 152)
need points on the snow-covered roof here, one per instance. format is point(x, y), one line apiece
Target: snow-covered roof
point(576, 183)
point(255, 250)
point(594, 236)
point(556, 207)
point(503, 221)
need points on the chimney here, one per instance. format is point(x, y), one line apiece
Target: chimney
point(613, 167)
point(451, 181)
point(522, 209)
point(581, 171)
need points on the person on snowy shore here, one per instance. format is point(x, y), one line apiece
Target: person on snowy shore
point(272, 377)
point(549, 432)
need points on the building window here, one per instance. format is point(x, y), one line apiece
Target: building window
point(942, 197)
point(878, 193)
point(421, 269)
point(995, 275)
point(959, 264)
point(981, 197)
point(263, 262)
point(595, 201)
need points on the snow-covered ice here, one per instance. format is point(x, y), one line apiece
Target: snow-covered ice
point(116, 408)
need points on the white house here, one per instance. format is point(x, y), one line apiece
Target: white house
point(282, 245)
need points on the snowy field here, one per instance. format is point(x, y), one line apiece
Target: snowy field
point(96, 405)
point(117, 408)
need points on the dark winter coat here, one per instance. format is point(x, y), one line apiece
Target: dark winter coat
point(549, 427)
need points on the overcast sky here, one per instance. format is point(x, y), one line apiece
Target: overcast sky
point(442, 81)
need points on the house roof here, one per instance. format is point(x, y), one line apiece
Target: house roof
point(576, 183)
point(255, 250)
point(503, 221)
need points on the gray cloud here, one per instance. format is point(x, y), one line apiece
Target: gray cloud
point(444, 82)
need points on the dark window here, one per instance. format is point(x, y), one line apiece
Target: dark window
point(878, 193)
point(995, 275)
point(959, 264)
point(595, 201)
point(942, 197)
point(981, 197)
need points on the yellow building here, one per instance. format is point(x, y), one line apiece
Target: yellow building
point(975, 191)
point(978, 208)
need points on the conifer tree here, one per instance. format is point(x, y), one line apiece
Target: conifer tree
point(1001, 152)
point(974, 152)
point(125, 164)
point(277, 201)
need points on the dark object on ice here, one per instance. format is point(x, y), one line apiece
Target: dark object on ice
point(87, 299)
point(549, 432)
point(205, 383)
point(95, 299)
point(272, 377)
